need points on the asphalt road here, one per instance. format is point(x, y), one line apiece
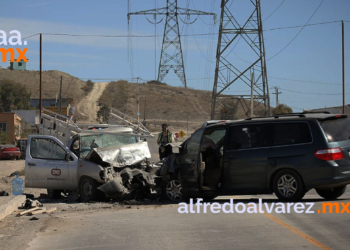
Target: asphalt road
point(163, 227)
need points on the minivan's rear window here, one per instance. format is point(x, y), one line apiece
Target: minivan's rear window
point(337, 129)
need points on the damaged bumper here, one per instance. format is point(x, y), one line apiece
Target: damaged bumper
point(129, 180)
point(126, 170)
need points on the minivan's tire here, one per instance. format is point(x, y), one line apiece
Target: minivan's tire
point(87, 189)
point(53, 193)
point(288, 186)
point(173, 190)
point(332, 193)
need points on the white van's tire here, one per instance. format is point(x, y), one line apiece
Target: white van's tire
point(87, 189)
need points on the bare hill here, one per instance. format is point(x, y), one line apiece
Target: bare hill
point(161, 103)
point(71, 86)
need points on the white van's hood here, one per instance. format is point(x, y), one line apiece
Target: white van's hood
point(122, 156)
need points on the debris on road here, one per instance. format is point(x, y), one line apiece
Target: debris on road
point(14, 174)
point(27, 211)
point(34, 218)
point(38, 211)
point(34, 207)
point(50, 210)
point(3, 193)
point(72, 197)
point(30, 204)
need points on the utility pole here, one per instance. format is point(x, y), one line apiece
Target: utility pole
point(40, 76)
point(343, 64)
point(144, 110)
point(276, 93)
point(252, 96)
point(138, 100)
point(171, 55)
point(229, 73)
point(60, 99)
point(187, 124)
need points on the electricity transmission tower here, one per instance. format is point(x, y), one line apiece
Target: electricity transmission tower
point(171, 54)
point(229, 71)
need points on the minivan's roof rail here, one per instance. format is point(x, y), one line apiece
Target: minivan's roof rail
point(316, 112)
point(277, 116)
point(302, 114)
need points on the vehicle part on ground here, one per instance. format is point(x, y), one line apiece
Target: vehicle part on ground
point(332, 193)
point(288, 186)
point(53, 193)
point(173, 190)
point(87, 189)
point(3, 193)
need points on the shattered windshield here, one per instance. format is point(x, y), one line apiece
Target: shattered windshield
point(103, 140)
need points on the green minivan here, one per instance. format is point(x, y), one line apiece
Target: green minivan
point(285, 154)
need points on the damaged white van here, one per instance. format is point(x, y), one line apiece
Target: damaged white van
point(92, 163)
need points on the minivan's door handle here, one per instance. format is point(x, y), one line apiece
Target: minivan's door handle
point(31, 164)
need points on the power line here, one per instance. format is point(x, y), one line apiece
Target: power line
point(298, 26)
point(298, 32)
point(30, 36)
point(308, 93)
point(145, 36)
point(296, 80)
point(275, 10)
point(200, 48)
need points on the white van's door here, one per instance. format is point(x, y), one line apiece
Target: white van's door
point(49, 163)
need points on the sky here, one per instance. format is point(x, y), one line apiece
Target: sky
point(308, 71)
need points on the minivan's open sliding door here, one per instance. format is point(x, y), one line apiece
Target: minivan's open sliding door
point(190, 165)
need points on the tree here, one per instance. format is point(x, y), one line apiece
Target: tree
point(3, 137)
point(282, 109)
point(103, 114)
point(13, 95)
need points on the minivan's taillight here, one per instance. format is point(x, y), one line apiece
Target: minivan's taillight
point(329, 154)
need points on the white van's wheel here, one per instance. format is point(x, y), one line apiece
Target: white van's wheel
point(87, 189)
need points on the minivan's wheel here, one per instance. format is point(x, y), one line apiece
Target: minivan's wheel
point(53, 193)
point(288, 186)
point(87, 189)
point(332, 193)
point(173, 190)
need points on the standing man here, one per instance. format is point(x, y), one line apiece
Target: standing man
point(164, 138)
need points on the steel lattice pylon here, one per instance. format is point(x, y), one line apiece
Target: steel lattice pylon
point(227, 73)
point(171, 54)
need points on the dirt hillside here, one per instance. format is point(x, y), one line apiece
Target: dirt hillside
point(71, 86)
point(161, 103)
point(87, 107)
